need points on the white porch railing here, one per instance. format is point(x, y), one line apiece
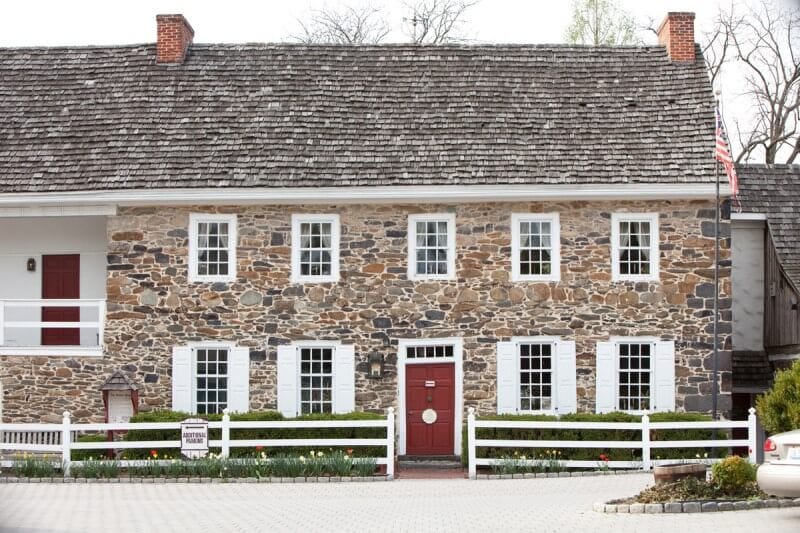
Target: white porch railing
point(67, 443)
point(16, 315)
point(645, 444)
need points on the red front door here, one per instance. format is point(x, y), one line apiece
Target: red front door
point(430, 409)
point(61, 280)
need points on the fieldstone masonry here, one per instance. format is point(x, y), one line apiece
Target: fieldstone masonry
point(152, 307)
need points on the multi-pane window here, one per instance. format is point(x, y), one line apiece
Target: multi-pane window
point(635, 369)
point(315, 248)
point(535, 377)
point(431, 246)
point(635, 247)
point(429, 352)
point(316, 380)
point(212, 247)
point(211, 380)
point(535, 247)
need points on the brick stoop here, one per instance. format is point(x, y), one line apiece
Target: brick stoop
point(430, 467)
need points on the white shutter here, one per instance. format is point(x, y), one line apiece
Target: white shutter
point(344, 379)
point(239, 380)
point(288, 376)
point(182, 379)
point(506, 377)
point(566, 382)
point(664, 397)
point(605, 377)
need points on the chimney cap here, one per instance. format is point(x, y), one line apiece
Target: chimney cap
point(166, 16)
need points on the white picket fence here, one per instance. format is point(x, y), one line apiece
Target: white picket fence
point(645, 444)
point(67, 430)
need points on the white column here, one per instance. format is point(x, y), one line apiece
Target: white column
point(66, 443)
point(646, 463)
point(473, 468)
point(226, 433)
point(2, 322)
point(390, 436)
point(752, 436)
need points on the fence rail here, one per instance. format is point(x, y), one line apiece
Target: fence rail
point(68, 431)
point(9, 307)
point(646, 444)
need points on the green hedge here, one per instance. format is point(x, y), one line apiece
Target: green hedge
point(590, 454)
point(319, 433)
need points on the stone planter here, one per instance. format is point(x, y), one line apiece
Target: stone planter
point(670, 473)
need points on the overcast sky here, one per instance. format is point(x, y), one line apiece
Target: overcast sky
point(78, 22)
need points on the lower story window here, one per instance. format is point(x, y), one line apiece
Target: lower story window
point(316, 380)
point(211, 381)
point(634, 376)
point(535, 376)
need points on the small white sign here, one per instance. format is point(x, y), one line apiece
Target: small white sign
point(430, 384)
point(120, 407)
point(194, 438)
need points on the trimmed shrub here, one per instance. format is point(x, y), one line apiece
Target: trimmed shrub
point(733, 474)
point(85, 455)
point(252, 434)
point(779, 408)
point(591, 454)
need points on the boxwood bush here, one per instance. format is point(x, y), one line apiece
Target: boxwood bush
point(318, 433)
point(592, 454)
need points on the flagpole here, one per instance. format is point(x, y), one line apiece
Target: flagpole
point(715, 379)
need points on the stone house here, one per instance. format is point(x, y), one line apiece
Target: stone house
point(765, 239)
point(316, 228)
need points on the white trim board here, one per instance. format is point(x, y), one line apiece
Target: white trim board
point(748, 216)
point(457, 359)
point(58, 211)
point(383, 194)
point(53, 351)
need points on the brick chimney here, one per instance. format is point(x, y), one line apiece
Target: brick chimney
point(677, 33)
point(174, 37)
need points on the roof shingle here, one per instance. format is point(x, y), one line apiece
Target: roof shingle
point(281, 115)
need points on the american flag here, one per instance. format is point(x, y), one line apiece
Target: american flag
point(723, 155)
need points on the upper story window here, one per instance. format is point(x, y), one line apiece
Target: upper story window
point(212, 247)
point(635, 374)
point(315, 248)
point(431, 246)
point(535, 247)
point(634, 246)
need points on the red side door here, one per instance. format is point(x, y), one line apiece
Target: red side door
point(430, 409)
point(61, 280)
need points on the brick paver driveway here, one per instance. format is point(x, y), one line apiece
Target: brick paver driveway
point(557, 504)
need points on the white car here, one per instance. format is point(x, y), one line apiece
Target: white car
point(780, 473)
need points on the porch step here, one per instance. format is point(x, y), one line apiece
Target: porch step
point(431, 462)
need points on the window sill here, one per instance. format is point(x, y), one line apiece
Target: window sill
point(313, 280)
point(432, 278)
point(52, 351)
point(535, 279)
point(636, 279)
point(211, 279)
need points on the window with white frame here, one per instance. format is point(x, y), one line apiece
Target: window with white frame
point(635, 374)
point(634, 246)
point(209, 377)
point(535, 247)
point(316, 380)
point(212, 247)
point(431, 246)
point(316, 377)
point(315, 248)
point(536, 374)
point(211, 380)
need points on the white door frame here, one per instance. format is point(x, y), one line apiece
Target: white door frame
point(457, 360)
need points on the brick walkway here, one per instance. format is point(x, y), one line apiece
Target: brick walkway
point(557, 504)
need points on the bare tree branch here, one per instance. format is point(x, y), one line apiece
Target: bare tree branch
point(343, 25)
point(601, 23)
point(435, 21)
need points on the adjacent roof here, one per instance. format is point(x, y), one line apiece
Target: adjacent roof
point(285, 115)
point(751, 372)
point(774, 191)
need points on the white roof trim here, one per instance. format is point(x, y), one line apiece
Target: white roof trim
point(748, 216)
point(383, 194)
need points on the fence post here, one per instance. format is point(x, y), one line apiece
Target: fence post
point(752, 436)
point(646, 463)
point(2, 322)
point(473, 468)
point(226, 433)
point(390, 436)
point(66, 443)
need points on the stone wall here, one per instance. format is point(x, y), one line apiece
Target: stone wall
point(152, 307)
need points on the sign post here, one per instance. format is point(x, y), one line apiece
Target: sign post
point(194, 438)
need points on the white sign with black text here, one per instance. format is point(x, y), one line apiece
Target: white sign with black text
point(194, 438)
